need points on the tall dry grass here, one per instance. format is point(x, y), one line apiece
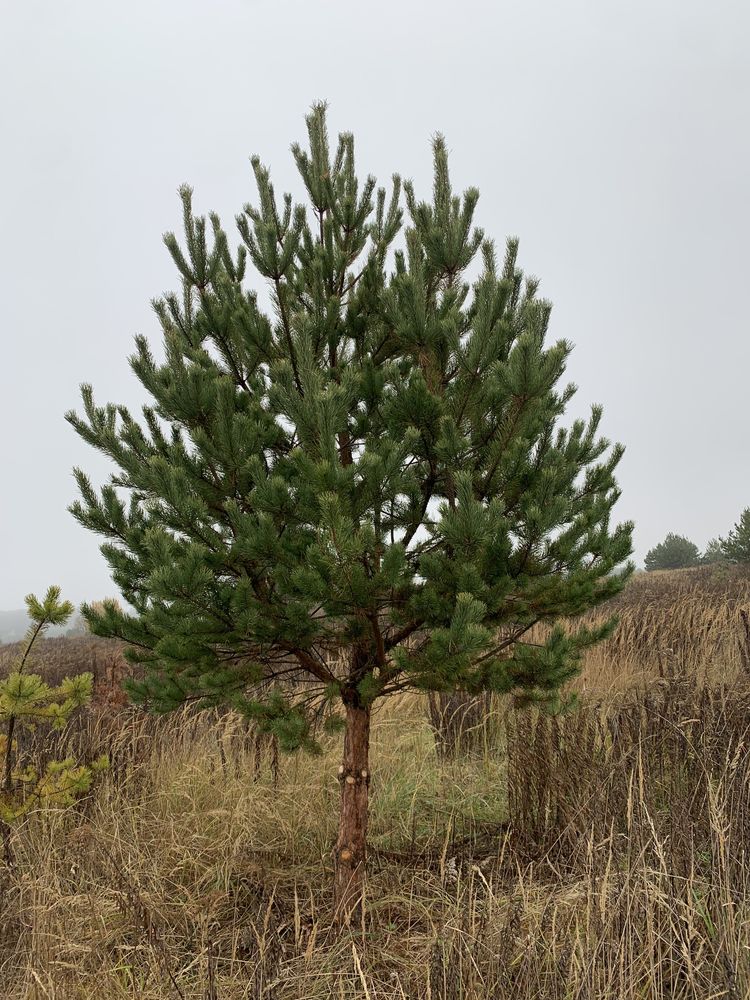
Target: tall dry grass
point(691, 617)
point(603, 854)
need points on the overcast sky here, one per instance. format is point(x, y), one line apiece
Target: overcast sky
point(612, 137)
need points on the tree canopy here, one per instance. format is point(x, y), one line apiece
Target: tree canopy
point(364, 487)
point(675, 552)
point(736, 546)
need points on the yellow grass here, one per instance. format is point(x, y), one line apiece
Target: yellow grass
point(688, 620)
point(601, 856)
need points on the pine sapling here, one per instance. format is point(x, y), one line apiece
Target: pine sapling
point(27, 700)
point(364, 488)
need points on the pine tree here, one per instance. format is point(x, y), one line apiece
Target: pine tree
point(675, 552)
point(736, 546)
point(365, 489)
point(713, 553)
point(25, 701)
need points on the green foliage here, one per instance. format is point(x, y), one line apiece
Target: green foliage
point(25, 701)
point(366, 488)
point(714, 552)
point(736, 546)
point(50, 611)
point(675, 552)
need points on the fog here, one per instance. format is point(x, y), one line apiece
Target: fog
point(612, 138)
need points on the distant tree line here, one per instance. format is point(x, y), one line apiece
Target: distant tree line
point(678, 552)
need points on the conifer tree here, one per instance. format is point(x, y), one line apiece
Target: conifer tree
point(27, 700)
point(675, 552)
point(736, 546)
point(714, 552)
point(360, 490)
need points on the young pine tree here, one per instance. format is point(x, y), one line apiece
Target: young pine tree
point(25, 701)
point(713, 553)
point(364, 488)
point(675, 552)
point(736, 546)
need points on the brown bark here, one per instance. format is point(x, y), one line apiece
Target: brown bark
point(350, 855)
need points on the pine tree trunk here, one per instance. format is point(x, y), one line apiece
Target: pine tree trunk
point(459, 722)
point(351, 847)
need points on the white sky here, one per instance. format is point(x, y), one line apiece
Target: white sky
point(611, 137)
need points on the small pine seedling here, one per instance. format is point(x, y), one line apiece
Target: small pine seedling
point(25, 701)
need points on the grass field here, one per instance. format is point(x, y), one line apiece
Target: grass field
point(603, 854)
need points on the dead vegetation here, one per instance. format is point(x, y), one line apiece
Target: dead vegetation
point(690, 617)
point(600, 854)
point(60, 657)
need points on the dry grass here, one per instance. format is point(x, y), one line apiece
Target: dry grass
point(692, 618)
point(600, 855)
point(60, 657)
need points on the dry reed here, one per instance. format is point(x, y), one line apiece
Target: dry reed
point(603, 854)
